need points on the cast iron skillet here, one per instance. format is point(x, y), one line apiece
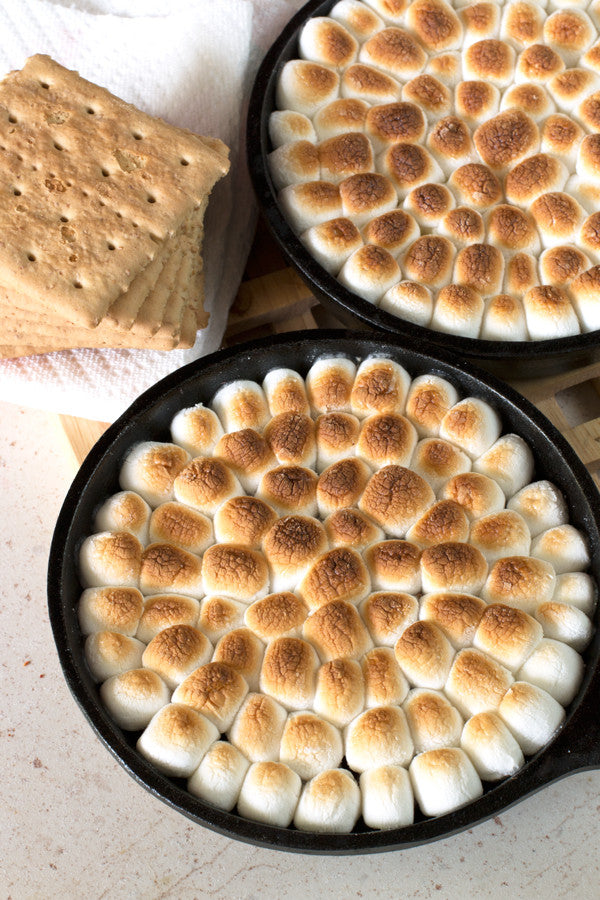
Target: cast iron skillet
point(577, 744)
point(524, 359)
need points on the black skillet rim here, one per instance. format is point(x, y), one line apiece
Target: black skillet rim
point(577, 744)
point(523, 359)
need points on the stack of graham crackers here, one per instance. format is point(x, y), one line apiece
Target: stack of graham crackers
point(101, 218)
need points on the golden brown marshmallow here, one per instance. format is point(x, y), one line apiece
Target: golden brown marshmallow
point(490, 60)
point(387, 614)
point(337, 631)
point(165, 567)
point(385, 684)
point(538, 63)
point(341, 485)
point(150, 468)
point(218, 615)
point(351, 528)
point(178, 524)
point(458, 615)
point(394, 51)
point(508, 635)
point(389, 123)
point(477, 494)
point(367, 195)
point(369, 84)
point(289, 672)
point(476, 185)
point(386, 438)
point(305, 86)
point(340, 692)
point(243, 520)
point(175, 652)
point(257, 728)
point(520, 581)
point(506, 139)
point(114, 609)
point(432, 720)
point(429, 94)
point(205, 484)
point(380, 386)
point(437, 460)
point(393, 231)
point(247, 454)
point(435, 24)
point(429, 399)
point(276, 615)
point(458, 309)
point(289, 489)
point(429, 260)
point(327, 42)
point(504, 533)
point(476, 101)
point(395, 497)
point(407, 166)
point(476, 683)
point(480, 267)
point(291, 437)
point(242, 651)
point(444, 521)
point(453, 566)
point(290, 546)
point(163, 610)
point(425, 655)
point(235, 571)
point(215, 690)
point(339, 574)
point(394, 566)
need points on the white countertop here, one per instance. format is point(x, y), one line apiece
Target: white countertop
point(74, 824)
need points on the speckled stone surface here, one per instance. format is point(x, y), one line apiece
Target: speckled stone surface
point(73, 824)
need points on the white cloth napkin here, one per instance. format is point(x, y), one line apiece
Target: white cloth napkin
point(192, 66)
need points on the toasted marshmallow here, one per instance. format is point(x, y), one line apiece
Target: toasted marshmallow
point(387, 614)
point(206, 483)
point(290, 546)
point(522, 23)
point(453, 566)
point(167, 568)
point(481, 268)
point(566, 623)
point(435, 24)
point(294, 163)
point(395, 497)
point(164, 610)
point(218, 615)
point(235, 571)
point(458, 615)
point(408, 166)
point(339, 574)
point(541, 505)
point(257, 728)
point(395, 52)
point(451, 144)
point(532, 715)
point(443, 780)
point(110, 558)
point(343, 155)
point(176, 739)
point(588, 161)
point(589, 236)
point(241, 404)
point(429, 399)
point(393, 231)
point(125, 511)
point(287, 126)
point(585, 190)
point(332, 242)
point(289, 672)
point(310, 744)
point(175, 652)
point(577, 589)
point(389, 123)
point(583, 292)
point(387, 797)
point(329, 385)
point(311, 203)
point(476, 101)
point(429, 260)
point(561, 137)
point(341, 485)
point(477, 494)
point(385, 684)
point(459, 308)
point(531, 99)
point(508, 461)
point(181, 525)
point(247, 454)
point(425, 655)
point(520, 275)
point(218, 779)
point(327, 42)
point(329, 803)
point(269, 793)
point(110, 653)
point(561, 265)
point(446, 67)
point(243, 520)
point(276, 615)
point(285, 392)
point(549, 313)
point(491, 747)
point(504, 319)
point(520, 581)
point(386, 438)
point(380, 386)
point(538, 63)
point(150, 468)
point(473, 425)
point(572, 90)
point(570, 32)
point(215, 690)
point(113, 609)
point(475, 185)
point(378, 737)
point(360, 21)
point(558, 218)
point(391, 11)
point(432, 720)
point(305, 86)
point(340, 692)
point(564, 547)
point(429, 203)
point(591, 58)
point(351, 528)
point(337, 631)
point(480, 21)
point(430, 95)
point(394, 566)
point(291, 437)
point(556, 668)
point(489, 60)
point(508, 635)
point(134, 697)
point(369, 84)
point(242, 651)
point(506, 139)
point(437, 460)
point(336, 435)
point(197, 429)
point(289, 489)
point(512, 229)
point(409, 300)
point(504, 533)
point(476, 683)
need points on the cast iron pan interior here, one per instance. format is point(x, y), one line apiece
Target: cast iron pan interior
point(577, 745)
point(525, 359)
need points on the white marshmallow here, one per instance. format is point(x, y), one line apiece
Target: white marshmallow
point(176, 739)
point(150, 468)
point(564, 547)
point(294, 163)
point(491, 747)
point(387, 797)
point(110, 558)
point(443, 780)
point(369, 272)
point(269, 794)
point(332, 243)
point(134, 697)
point(111, 653)
point(410, 301)
point(286, 126)
point(310, 744)
point(542, 506)
point(577, 589)
point(504, 319)
point(532, 715)
point(556, 668)
point(562, 622)
point(361, 21)
point(218, 779)
point(329, 803)
point(508, 461)
point(125, 511)
point(473, 425)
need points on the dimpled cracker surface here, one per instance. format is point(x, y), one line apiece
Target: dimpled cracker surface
point(92, 189)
